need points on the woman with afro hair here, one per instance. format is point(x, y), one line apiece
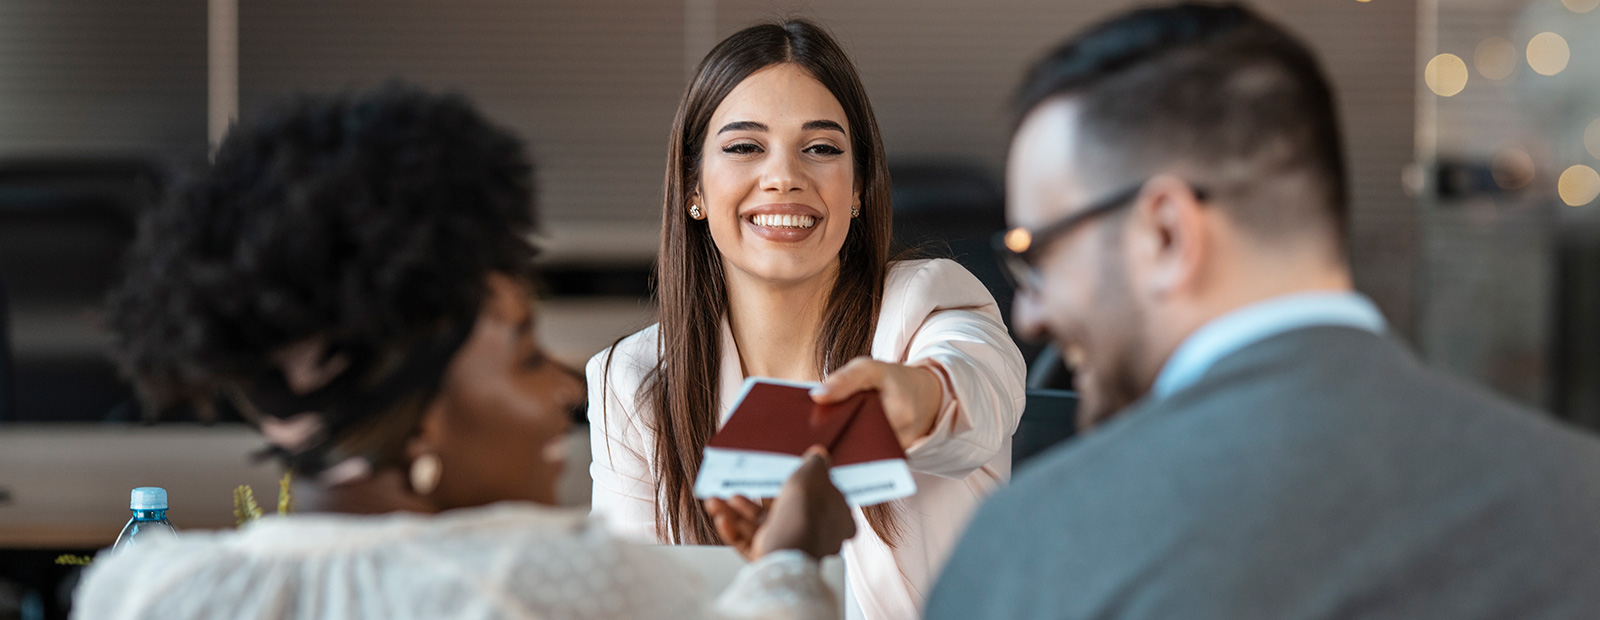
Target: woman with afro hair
point(353, 274)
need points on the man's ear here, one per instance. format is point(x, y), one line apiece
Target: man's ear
point(1169, 237)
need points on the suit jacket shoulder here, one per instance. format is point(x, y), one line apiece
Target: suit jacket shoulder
point(1311, 475)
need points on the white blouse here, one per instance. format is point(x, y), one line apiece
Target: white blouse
point(509, 560)
point(934, 313)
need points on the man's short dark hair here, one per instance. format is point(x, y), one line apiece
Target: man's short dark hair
point(369, 220)
point(1215, 91)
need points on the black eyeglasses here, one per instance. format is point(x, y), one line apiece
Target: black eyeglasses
point(1019, 247)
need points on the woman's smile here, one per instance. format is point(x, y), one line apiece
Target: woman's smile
point(782, 222)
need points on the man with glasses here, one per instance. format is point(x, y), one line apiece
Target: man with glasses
point(1260, 444)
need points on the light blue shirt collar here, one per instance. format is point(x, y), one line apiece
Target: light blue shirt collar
point(1259, 321)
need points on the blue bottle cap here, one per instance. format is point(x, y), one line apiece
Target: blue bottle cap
point(148, 498)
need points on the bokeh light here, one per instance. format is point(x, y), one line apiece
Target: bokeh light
point(1445, 75)
point(1578, 185)
point(1548, 53)
point(1591, 138)
point(1018, 240)
point(1512, 169)
point(1581, 6)
point(1495, 58)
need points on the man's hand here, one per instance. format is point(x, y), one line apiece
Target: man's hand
point(809, 515)
point(911, 395)
point(737, 520)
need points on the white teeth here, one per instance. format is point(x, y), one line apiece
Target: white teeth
point(772, 220)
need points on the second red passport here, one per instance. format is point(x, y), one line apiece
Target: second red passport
point(775, 421)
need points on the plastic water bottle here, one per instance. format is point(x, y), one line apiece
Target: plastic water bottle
point(149, 506)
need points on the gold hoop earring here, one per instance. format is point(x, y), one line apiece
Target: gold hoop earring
point(694, 212)
point(425, 473)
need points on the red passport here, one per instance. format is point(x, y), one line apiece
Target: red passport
point(774, 422)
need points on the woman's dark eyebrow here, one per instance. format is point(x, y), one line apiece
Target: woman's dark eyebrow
point(742, 126)
point(810, 125)
point(754, 126)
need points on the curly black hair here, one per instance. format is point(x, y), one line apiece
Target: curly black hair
point(366, 219)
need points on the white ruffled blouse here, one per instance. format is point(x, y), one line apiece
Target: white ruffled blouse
point(509, 560)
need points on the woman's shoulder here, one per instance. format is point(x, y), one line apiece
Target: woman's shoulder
point(932, 284)
point(631, 357)
point(914, 290)
point(313, 535)
point(213, 570)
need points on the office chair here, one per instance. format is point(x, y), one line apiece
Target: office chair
point(1048, 371)
point(1048, 418)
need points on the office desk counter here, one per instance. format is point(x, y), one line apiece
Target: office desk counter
point(66, 485)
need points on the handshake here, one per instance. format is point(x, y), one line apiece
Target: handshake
point(808, 515)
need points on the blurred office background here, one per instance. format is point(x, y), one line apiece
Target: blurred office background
point(1472, 126)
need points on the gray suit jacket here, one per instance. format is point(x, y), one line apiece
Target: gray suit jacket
point(1320, 473)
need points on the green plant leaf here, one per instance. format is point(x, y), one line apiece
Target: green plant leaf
point(245, 508)
point(283, 494)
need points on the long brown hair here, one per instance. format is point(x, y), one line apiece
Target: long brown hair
point(681, 392)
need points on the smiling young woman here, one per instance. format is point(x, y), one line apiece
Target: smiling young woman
point(774, 262)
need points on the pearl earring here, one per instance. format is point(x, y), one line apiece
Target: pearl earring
point(694, 212)
point(425, 473)
point(855, 210)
